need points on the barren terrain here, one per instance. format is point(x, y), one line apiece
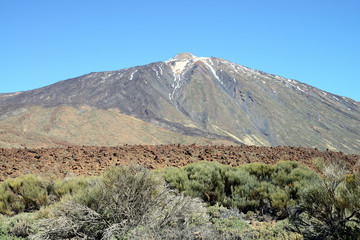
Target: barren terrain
point(77, 160)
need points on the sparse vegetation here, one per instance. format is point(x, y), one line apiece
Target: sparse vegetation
point(205, 200)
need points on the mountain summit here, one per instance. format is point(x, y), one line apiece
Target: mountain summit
point(182, 56)
point(184, 99)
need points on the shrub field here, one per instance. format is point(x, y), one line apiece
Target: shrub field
point(204, 200)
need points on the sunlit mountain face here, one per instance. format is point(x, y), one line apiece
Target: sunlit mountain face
point(185, 99)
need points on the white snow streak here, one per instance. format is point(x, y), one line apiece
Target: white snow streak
point(175, 86)
point(177, 69)
point(234, 67)
point(211, 61)
point(157, 74)
point(213, 71)
point(300, 89)
point(132, 75)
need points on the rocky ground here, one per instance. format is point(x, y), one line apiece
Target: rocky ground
point(80, 160)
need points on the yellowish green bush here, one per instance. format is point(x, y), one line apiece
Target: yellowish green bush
point(25, 193)
point(71, 185)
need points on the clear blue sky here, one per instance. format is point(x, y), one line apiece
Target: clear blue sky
point(314, 41)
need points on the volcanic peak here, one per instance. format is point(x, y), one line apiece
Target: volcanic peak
point(183, 61)
point(182, 56)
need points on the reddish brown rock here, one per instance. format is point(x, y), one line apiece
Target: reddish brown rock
point(80, 160)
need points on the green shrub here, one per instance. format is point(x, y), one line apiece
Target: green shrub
point(203, 232)
point(282, 171)
point(258, 187)
point(250, 194)
point(176, 176)
point(71, 185)
point(202, 179)
point(261, 171)
point(270, 234)
point(231, 226)
point(281, 201)
point(242, 190)
point(16, 227)
point(130, 202)
point(25, 193)
point(300, 178)
point(229, 222)
point(205, 180)
point(329, 205)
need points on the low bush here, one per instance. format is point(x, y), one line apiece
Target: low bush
point(25, 193)
point(125, 202)
point(230, 223)
point(29, 193)
point(70, 185)
point(258, 187)
point(206, 181)
point(329, 206)
point(263, 172)
point(240, 190)
point(16, 227)
point(270, 234)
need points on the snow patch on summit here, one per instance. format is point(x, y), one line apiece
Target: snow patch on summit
point(179, 62)
point(178, 67)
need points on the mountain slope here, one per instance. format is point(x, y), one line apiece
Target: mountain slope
point(208, 98)
point(66, 126)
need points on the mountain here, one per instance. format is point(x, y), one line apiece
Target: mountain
point(184, 99)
